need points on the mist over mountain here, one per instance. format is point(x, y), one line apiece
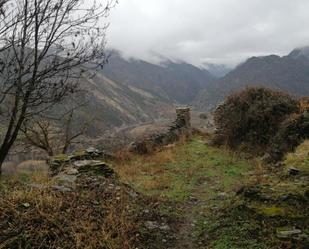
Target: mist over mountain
point(218, 70)
point(176, 82)
point(287, 73)
point(300, 53)
point(131, 91)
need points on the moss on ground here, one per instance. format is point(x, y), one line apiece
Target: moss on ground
point(259, 211)
point(206, 186)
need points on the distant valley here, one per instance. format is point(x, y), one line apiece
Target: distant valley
point(127, 92)
point(131, 91)
point(176, 82)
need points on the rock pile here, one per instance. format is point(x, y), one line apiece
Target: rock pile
point(180, 127)
point(59, 162)
point(67, 168)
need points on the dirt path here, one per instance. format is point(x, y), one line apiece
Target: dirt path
point(196, 181)
point(185, 237)
point(192, 209)
point(199, 205)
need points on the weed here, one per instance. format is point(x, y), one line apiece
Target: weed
point(90, 217)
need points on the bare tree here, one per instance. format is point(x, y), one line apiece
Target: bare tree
point(45, 45)
point(54, 135)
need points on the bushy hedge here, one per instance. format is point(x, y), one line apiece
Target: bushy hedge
point(291, 133)
point(260, 120)
point(252, 115)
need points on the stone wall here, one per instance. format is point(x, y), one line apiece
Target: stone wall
point(179, 128)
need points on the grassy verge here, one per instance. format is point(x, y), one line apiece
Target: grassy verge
point(176, 172)
point(229, 202)
point(259, 211)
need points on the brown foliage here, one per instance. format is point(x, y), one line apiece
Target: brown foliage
point(252, 116)
point(94, 216)
point(304, 104)
point(260, 120)
point(291, 133)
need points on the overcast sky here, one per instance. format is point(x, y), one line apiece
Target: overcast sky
point(216, 31)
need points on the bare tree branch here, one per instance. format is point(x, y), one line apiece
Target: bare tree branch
point(53, 136)
point(45, 45)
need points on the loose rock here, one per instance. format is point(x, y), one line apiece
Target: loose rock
point(288, 233)
point(293, 171)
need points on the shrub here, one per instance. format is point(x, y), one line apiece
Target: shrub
point(291, 133)
point(252, 117)
point(304, 104)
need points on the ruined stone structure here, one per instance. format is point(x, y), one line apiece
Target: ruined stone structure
point(180, 127)
point(183, 118)
point(90, 159)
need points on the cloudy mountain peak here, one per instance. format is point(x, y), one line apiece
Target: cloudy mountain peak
point(300, 52)
point(286, 73)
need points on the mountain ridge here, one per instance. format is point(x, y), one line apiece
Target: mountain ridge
point(288, 73)
point(177, 82)
point(132, 91)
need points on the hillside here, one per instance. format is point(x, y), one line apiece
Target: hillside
point(190, 195)
point(288, 73)
point(113, 104)
point(130, 92)
point(177, 82)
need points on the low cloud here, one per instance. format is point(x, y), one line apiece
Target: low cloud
point(199, 31)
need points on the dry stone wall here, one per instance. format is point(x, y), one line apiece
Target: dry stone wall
point(180, 127)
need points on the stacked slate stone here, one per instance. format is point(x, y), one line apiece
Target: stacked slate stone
point(90, 157)
point(181, 126)
point(183, 117)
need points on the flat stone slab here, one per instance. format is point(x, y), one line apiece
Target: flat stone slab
point(288, 233)
point(82, 163)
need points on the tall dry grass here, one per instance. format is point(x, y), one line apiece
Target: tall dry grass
point(93, 216)
point(146, 170)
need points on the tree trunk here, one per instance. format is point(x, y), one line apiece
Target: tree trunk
point(50, 152)
point(65, 148)
point(8, 143)
point(3, 154)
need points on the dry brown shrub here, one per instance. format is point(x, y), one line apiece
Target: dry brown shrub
point(122, 154)
point(291, 133)
point(252, 116)
point(165, 156)
point(304, 104)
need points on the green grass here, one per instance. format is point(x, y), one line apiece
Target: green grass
point(223, 220)
point(235, 230)
point(176, 172)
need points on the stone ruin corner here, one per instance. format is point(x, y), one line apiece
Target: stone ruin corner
point(180, 127)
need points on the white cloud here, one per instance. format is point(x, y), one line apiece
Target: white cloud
point(220, 31)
